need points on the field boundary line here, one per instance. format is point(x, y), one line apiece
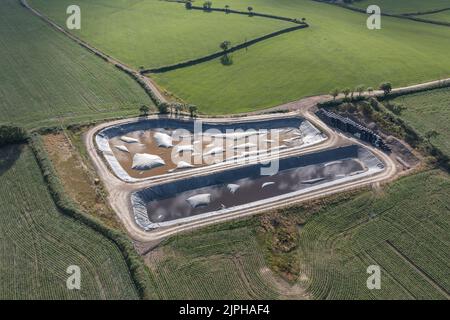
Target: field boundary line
point(425, 12)
point(387, 14)
point(240, 46)
point(418, 269)
point(218, 54)
point(147, 84)
point(138, 272)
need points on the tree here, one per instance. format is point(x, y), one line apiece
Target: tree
point(360, 89)
point(386, 87)
point(193, 110)
point(227, 7)
point(188, 5)
point(432, 134)
point(178, 108)
point(346, 92)
point(144, 110)
point(370, 90)
point(207, 5)
point(225, 45)
point(226, 60)
point(250, 9)
point(303, 20)
point(163, 108)
point(334, 93)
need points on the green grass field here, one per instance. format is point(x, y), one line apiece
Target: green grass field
point(428, 111)
point(405, 6)
point(440, 16)
point(45, 76)
point(38, 243)
point(404, 230)
point(156, 33)
point(336, 51)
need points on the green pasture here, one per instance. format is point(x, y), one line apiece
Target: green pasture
point(46, 78)
point(443, 16)
point(405, 6)
point(427, 111)
point(155, 33)
point(336, 51)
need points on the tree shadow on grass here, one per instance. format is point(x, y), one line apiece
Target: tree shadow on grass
point(8, 156)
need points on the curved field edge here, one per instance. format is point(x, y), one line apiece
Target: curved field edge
point(323, 247)
point(39, 243)
point(46, 78)
point(404, 6)
point(137, 269)
point(152, 34)
point(336, 51)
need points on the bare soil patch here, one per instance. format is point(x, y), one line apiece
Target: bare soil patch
point(78, 180)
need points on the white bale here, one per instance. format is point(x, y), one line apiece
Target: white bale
point(163, 140)
point(128, 139)
point(199, 200)
point(233, 187)
point(145, 161)
point(122, 148)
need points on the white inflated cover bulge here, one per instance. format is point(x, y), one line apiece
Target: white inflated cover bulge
point(128, 139)
point(145, 161)
point(163, 140)
point(199, 200)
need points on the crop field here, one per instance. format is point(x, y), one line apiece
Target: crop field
point(45, 76)
point(38, 243)
point(222, 262)
point(405, 6)
point(337, 50)
point(427, 111)
point(404, 230)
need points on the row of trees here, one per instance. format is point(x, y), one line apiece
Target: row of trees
point(386, 87)
point(207, 6)
point(171, 108)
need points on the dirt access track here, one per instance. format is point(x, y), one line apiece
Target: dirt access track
point(119, 192)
